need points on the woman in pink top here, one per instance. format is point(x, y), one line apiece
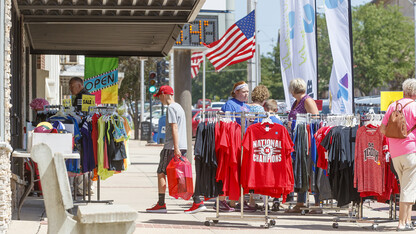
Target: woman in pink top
point(403, 153)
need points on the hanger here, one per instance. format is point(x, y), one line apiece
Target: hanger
point(267, 119)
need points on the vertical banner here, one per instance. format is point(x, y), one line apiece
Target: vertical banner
point(101, 77)
point(298, 45)
point(341, 82)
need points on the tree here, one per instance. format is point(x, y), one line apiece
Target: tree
point(324, 56)
point(218, 84)
point(130, 86)
point(383, 43)
point(271, 75)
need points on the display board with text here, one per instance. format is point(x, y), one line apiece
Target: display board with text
point(203, 30)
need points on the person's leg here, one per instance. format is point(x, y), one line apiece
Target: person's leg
point(161, 184)
point(301, 199)
point(405, 213)
point(316, 196)
point(165, 157)
point(405, 167)
point(409, 213)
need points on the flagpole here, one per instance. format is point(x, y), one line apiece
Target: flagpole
point(257, 53)
point(250, 61)
point(203, 90)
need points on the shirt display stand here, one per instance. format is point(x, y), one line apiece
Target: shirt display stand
point(101, 110)
point(268, 220)
point(355, 213)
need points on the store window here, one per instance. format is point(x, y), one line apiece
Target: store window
point(72, 58)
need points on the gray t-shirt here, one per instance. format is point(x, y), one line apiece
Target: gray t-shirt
point(175, 114)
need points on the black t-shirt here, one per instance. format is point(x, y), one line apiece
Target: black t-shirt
point(341, 163)
point(77, 102)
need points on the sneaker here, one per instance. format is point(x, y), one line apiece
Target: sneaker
point(157, 209)
point(196, 207)
point(246, 207)
point(224, 207)
point(407, 227)
point(276, 206)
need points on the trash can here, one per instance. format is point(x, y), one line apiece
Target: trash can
point(162, 130)
point(146, 132)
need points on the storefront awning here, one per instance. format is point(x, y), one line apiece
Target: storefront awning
point(106, 27)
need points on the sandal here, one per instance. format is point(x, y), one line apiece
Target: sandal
point(295, 209)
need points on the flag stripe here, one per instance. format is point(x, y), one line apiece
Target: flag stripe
point(233, 52)
point(196, 60)
point(234, 46)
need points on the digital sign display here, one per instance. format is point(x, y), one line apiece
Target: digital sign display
point(203, 30)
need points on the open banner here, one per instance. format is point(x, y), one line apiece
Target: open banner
point(101, 79)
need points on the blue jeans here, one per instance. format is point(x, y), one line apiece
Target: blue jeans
point(302, 197)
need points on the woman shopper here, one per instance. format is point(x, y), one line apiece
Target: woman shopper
point(303, 104)
point(258, 97)
point(238, 102)
point(403, 153)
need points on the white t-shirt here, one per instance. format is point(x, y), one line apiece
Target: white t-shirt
point(175, 114)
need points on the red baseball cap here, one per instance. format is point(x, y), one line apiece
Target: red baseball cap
point(165, 89)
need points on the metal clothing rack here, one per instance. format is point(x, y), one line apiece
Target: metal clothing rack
point(101, 110)
point(356, 214)
point(268, 220)
point(358, 217)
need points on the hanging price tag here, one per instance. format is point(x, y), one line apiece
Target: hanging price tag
point(87, 101)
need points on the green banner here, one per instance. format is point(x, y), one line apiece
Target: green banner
point(101, 77)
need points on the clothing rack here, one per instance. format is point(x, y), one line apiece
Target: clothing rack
point(355, 213)
point(268, 220)
point(101, 110)
point(358, 217)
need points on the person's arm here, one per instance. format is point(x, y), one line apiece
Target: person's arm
point(176, 150)
point(311, 107)
point(383, 129)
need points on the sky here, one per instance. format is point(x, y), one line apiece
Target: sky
point(268, 16)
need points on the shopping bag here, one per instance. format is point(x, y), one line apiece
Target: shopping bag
point(179, 172)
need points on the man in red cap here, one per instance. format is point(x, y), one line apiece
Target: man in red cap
point(175, 146)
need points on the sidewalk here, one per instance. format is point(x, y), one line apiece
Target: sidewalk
point(137, 187)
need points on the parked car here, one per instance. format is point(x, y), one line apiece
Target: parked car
point(196, 118)
point(199, 104)
point(217, 105)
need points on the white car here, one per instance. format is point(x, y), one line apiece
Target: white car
point(217, 105)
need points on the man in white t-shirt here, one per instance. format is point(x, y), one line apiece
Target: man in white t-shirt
point(175, 146)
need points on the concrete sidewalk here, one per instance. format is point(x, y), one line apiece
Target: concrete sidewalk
point(137, 187)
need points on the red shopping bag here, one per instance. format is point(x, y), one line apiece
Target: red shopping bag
point(179, 172)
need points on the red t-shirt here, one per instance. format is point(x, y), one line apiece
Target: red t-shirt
point(267, 165)
point(229, 153)
point(370, 160)
point(94, 134)
point(322, 161)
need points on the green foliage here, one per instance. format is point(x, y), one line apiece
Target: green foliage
point(271, 75)
point(324, 56)
point(383, 47)
point(218, 84)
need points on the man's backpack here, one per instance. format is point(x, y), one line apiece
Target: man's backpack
point(396, 127)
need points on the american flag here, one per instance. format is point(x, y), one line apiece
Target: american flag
point(196, 60)
point(237, 45)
